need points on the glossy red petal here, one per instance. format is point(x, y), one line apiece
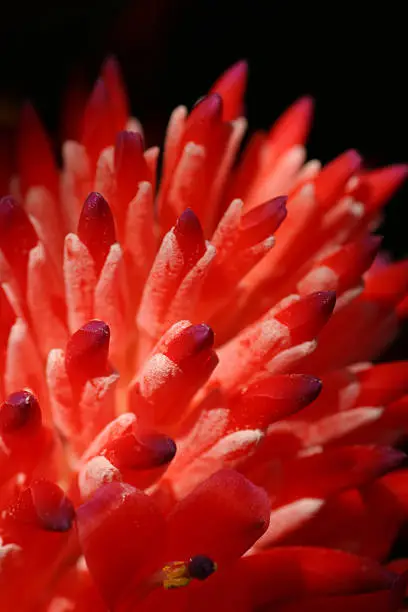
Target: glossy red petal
point(98, 126)
point(17, 237)
point(120, 530)
point(44, 506)
point(221, 519)
point(182, 361)
point(96, 228)
point(231, 87)
point(87, 352)
point(347, 264)
point(141, 451)
point(376, 187)
point(382, 384)
point(204, 117)
point(130, 166)
point(292, 127)
point(323, 474)
point(20, 411)
point(306, 572)
point(35, 157)
point(190, 342)
point(272, 399)
point(115, 86)
point(331, 182)
point(387, 285)
point(305, 318)
point(262, 221)
point(190, 237)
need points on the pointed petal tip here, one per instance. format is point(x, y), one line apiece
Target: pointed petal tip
point(354, 157)
point(17, 236)
point(392, 458)
point(54, 509)
point(209, 106)
point(400, 170)
point(282, 386)
point(372, 245)
point(190, 341)
point(375, 187)
point(325, 301)
point(278, 207)
point(305, 317)
point(305, 104)
point(240, 66)
point(95, 204)
point(393, 172)
point(110, 62)
point(87, 352)
point(129, 149)
point(187, 223)
point(262, 221)
point(141, 450)
point(203, 336)
point(346, 163)
point(396, 174)
point(96, 228)
point(97, 327)
point(19, 410)
point(277, 204)
point(231, 86)
point(238, 72)
point(312, 386)
point(163, 449)
point(129, 138)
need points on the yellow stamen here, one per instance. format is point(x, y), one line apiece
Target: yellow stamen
point(175, 575)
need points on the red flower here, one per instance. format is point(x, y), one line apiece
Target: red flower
point(159, 359)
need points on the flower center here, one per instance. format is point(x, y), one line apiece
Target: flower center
point(179, 574)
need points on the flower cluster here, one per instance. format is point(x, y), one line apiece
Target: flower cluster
point(173, 436)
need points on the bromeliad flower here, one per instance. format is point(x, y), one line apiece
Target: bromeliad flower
point(173, 437)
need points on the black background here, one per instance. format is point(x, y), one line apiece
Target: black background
point(351, 56)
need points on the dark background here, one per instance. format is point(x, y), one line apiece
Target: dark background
point(351, 56)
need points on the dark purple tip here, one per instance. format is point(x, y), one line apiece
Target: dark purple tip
point(191, 341)
point(20, 410)
point(17, 236)
point(190, 237)
point(96, 228)
point(162, 449)
point(326, 301)
point(60, 520)
point(201, 567)
point(306, 317)
point(203, 336)
point(187, 224)
point(87, 352)
point(130, 165)
point(372, 245)
point(263, 220)
point(53, 508)
point(141, 451)
point(129, 147)
point(309, 385)
point(208, 106)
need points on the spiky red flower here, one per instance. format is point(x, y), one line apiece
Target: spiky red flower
point(195, 447)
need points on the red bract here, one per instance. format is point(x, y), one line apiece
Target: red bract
point(191, 363)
